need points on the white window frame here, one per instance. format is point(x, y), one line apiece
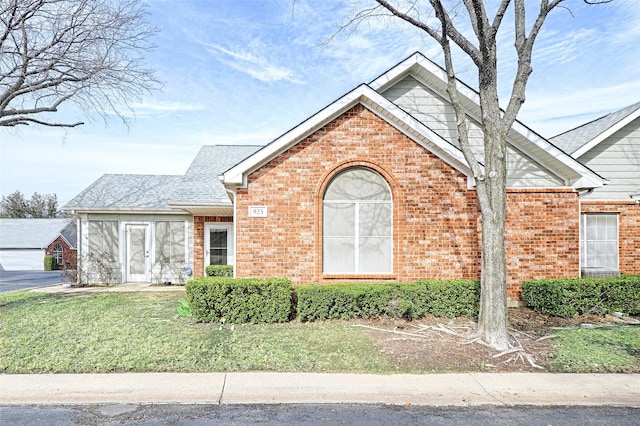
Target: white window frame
point(584, 217)
point(231, 252)
point(356, 237)
point(58, 251)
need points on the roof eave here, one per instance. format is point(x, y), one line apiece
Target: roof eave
point(370, 99)
point(604, 135)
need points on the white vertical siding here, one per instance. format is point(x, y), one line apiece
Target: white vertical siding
point(438, 114)
point(617, 159)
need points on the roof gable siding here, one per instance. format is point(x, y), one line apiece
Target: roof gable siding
point(617, 158)
point(437, 114)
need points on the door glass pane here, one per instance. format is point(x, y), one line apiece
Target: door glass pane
point(136, 251)
point(218, 247)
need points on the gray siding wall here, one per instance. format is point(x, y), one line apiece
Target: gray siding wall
point(438, 114)
point(617, 159)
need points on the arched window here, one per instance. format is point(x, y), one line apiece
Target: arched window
point(357, 218)
point(58, 253)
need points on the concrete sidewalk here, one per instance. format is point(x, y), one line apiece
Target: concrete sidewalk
point(467, 389)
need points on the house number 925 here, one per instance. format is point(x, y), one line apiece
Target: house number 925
point(257, 211)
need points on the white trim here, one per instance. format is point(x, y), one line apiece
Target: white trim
point(604, 135)
point(587, 178)
point(231, 247)
point(376, 103)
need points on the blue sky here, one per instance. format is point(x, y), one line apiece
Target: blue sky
point(244, 72)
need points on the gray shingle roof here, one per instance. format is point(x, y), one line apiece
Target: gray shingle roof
point(34, 233)
point(123, 192)
point(572, 140)
point(199, 185)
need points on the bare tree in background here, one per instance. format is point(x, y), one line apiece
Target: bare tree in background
point(446, 28)
point(87, 52)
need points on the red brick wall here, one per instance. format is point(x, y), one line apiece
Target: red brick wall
point(628, 230)
point(68, 254)
point(198, 240)
point(542, 236)
point(436, 218)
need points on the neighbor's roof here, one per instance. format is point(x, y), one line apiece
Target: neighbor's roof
point(35, 233)
point(581, 139)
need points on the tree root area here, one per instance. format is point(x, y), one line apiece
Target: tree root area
point(448, 345)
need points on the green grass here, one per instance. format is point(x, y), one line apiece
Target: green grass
point(109, 332)
point(602, 350)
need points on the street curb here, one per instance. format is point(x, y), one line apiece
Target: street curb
point(458, 389)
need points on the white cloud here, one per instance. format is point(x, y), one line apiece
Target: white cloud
point(256, 66)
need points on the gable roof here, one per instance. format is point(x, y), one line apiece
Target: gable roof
point(198, 189)
point(430, 74)
point(35, 233)
point(583, 138)
point(370, 99)
point(201, 192)
point(521, 137)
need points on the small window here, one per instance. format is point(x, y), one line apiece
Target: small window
point(103, 238)
point(599, 238)
point(58, 253)
point(357, 224)
point(170, 242)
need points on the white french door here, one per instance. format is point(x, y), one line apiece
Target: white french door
point(137, 264)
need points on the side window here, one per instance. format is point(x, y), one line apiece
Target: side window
point(599, 239)
point(357, 219)
point(103, 238)
point(170, 241)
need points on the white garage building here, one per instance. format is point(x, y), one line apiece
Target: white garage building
point(24, 242)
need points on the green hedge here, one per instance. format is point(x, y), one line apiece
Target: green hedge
point(50, 263)
point(219, 270)
point(440, 298)
point(578, 296)
point(240, 300)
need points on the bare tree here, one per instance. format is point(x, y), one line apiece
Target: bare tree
point(87, 52)
point(490, 177)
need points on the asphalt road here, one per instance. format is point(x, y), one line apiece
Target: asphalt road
point(20, 280)
point(314, 414)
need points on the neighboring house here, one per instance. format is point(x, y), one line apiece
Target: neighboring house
point(371, 188)
point(610, 215)
point(25, 242)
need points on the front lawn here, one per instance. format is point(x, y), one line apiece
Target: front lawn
point(140, 332)
point(110, 332)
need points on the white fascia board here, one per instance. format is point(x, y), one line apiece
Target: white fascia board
point(378, 104)
point(604, 135)
point(416, 130)
point(124, 211)
point(407, 67)
point(236, 176)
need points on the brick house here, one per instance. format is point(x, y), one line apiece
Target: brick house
point(25, 242)
point(373, 187)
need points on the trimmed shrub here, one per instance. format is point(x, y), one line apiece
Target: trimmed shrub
point(219, 270)
point(50, 263)
point(401, 300)
point(452, 298)
point(579, 296)
point(240, 300)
